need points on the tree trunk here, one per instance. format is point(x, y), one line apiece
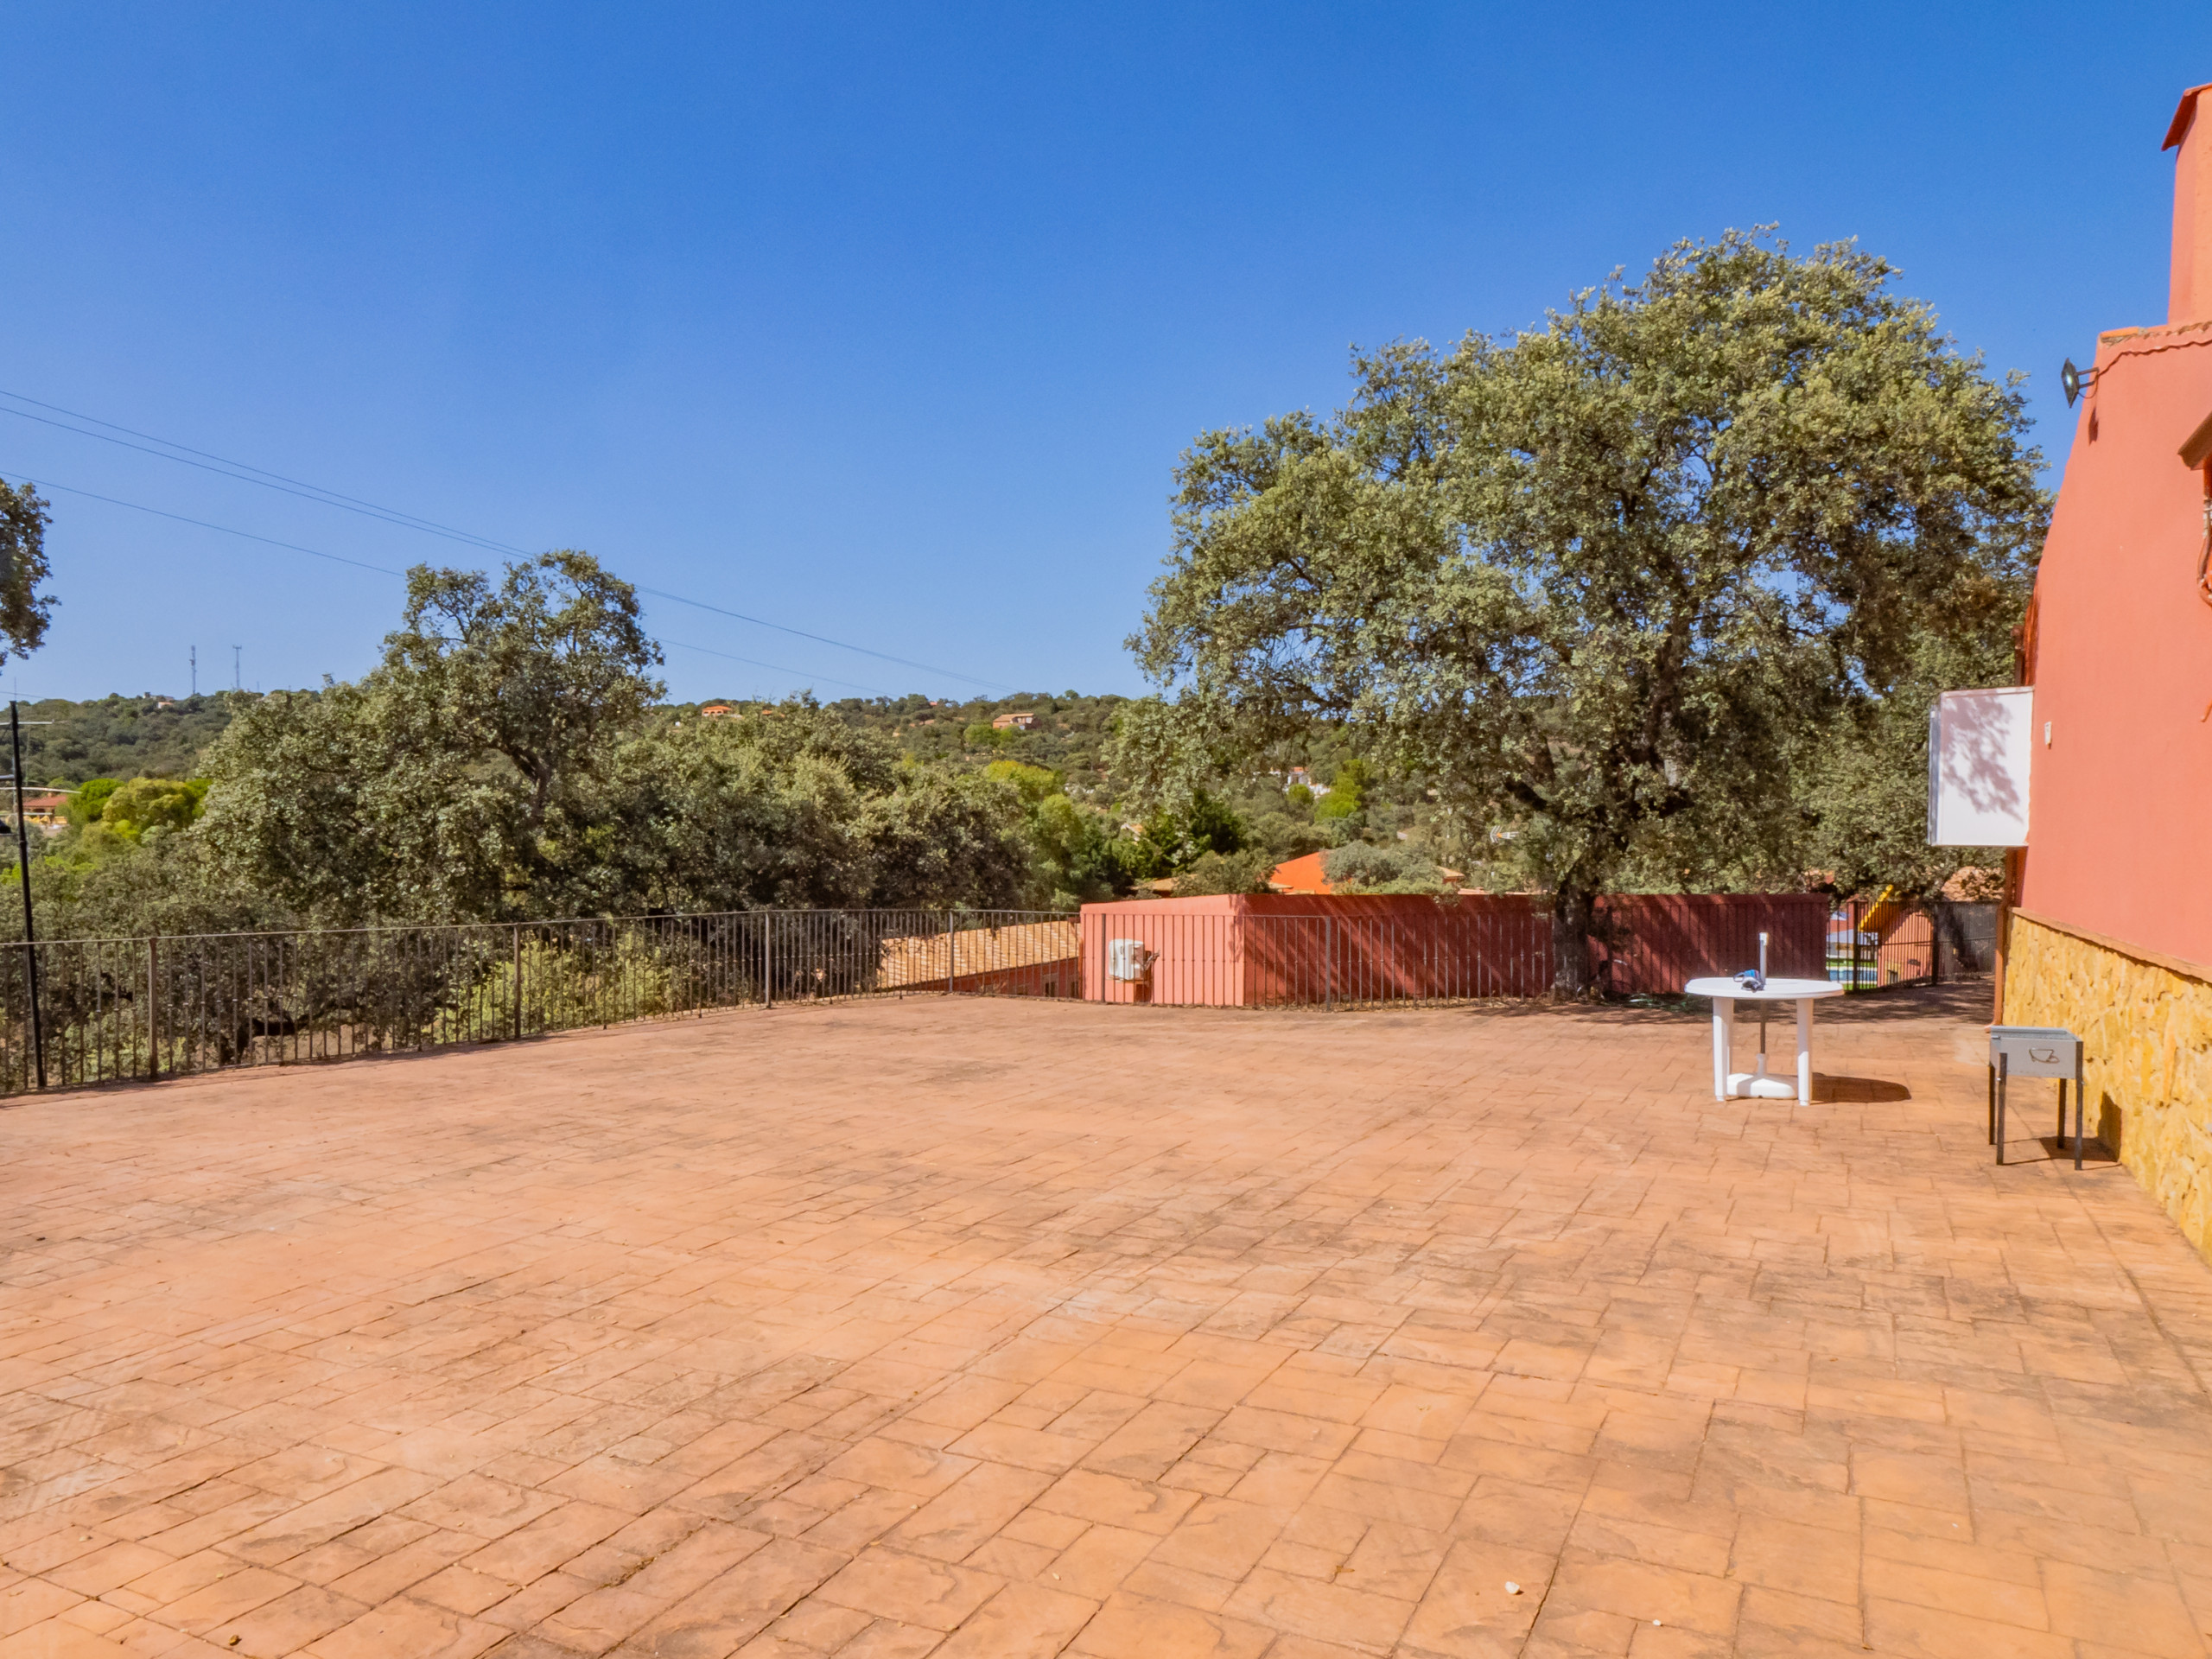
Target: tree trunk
point(1572, 910)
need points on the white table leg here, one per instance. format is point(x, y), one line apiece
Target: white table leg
point(1804, 1051)
point(1724, 1016)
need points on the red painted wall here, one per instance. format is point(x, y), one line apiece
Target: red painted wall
point(2120, 646)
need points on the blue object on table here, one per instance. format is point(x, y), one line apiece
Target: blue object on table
point(1754, 979)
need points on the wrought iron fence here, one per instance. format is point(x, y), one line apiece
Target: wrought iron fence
point(1875, 943)
point(110, 1009)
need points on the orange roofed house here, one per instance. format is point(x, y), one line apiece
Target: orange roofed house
point(2110, 933)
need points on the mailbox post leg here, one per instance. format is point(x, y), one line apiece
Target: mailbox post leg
point(1993, 1102)
point(1998, 1140)
point(2078, 1096)
point(2062, 1110)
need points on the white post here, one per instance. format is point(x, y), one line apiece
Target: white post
point(1724, 1016)
point(1804, 1051)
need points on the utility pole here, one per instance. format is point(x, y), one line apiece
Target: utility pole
point(24, 866)
point(195, 670)
point(237, 682)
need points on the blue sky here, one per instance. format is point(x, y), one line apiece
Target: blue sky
point(887, 323)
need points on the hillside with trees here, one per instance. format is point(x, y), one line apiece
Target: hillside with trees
point(1655, 597)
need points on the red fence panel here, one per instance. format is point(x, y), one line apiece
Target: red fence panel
point(1274, 950)
point(1657, 943)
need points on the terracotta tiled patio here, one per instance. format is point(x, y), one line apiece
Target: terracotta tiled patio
point(985, 1327)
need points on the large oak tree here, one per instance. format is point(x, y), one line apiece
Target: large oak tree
point(1605, 584)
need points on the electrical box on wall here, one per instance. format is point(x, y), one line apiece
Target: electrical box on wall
point(1979, 745)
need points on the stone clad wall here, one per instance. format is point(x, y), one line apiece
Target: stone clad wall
point(2146, 1033)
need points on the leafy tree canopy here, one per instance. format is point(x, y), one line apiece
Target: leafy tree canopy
point(25, 608)
point(1606, 584)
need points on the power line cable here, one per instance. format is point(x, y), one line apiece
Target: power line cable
point(293, 547)
point(406, 521)
point(781, 668)
point(307, 494)
point(883, 656)
point(259, 475)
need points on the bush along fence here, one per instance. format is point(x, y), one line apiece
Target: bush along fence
point(107, 1010)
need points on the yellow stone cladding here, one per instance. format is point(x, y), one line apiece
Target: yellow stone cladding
point(2146, 1033)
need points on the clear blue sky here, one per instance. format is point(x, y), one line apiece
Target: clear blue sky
point(888, 322)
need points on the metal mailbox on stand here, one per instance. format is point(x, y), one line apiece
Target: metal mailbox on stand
point(2034, 1051)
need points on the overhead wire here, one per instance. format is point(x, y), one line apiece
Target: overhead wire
point(781, 668)
point(903, 662)
point(136, 506)
point(245, 472)
point(294, 547)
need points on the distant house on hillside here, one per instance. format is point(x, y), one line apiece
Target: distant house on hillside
point(45, 807)
point(1020, 721)
point(1299, 778)
point(717, 711)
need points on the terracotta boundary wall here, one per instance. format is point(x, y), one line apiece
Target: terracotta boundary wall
point(2146, 1025)
point(1257, 952)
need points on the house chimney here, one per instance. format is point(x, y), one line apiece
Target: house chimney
point(2190, 299)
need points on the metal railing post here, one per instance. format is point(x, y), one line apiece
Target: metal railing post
point(517, 987)
point(952, 953)
point(24, 866)
point(152, 1014)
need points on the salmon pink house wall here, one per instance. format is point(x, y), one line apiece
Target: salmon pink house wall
point(2119, 643)
point(2110, 935)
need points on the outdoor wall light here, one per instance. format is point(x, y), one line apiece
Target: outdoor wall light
point(2072, 380)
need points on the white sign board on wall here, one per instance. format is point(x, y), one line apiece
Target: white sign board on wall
point(1979, 747)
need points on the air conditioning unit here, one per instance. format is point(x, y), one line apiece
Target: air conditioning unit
point(1128, 959)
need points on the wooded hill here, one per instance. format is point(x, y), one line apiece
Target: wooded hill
point(153, 736)
point(118, 736)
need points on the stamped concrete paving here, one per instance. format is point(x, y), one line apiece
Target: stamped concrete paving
point(990, 1328)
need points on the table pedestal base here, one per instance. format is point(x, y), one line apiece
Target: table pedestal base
point(1758, 1085)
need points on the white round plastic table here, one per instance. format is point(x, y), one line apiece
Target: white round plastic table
point(1725, 994)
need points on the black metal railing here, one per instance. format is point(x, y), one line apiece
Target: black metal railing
point(118, 1008)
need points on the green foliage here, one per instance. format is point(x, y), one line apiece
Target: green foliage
point(146, 803)
point(118, 736)
point(1609, 583)
point(1360, 867)
point(1347, 796)
point(459, 780)
point(85, 805)
point(1203, 824)
point(1034, 783)
point(25, 610)
point(1867, 789)
point(563, 989)
point(1216, 873)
